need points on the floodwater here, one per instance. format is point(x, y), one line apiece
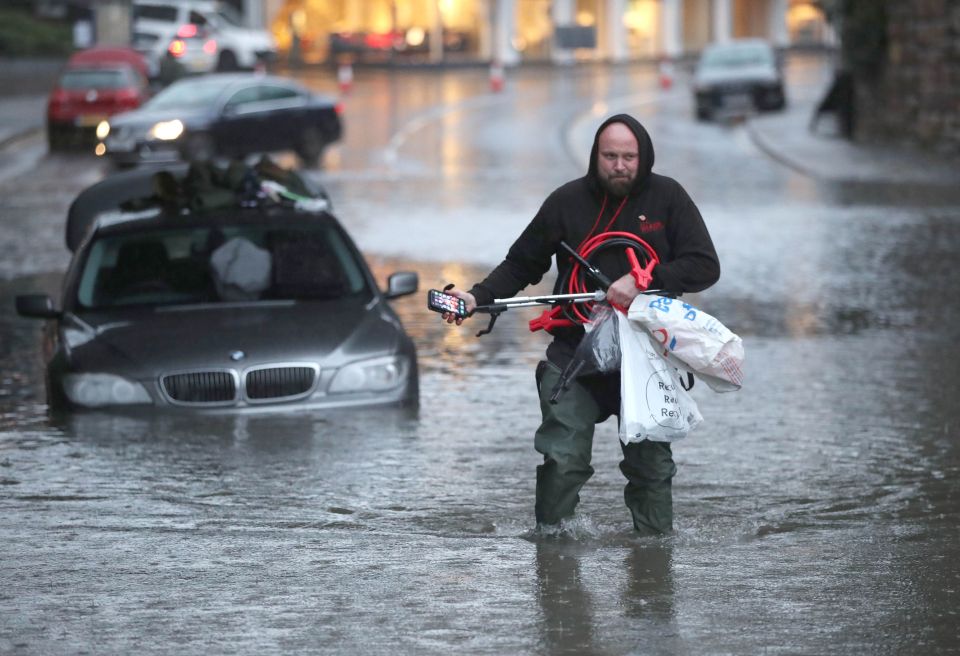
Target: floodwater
point(816, 509)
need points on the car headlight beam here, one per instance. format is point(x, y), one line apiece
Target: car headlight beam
point(167, 130)
point(375, 375)
point(100, 390)
point(103, 129)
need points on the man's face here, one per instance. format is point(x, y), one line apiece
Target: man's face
point(618, 157)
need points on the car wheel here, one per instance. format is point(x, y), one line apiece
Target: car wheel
point(55, 139)
point(311, 147)
point(227, 61)
point(199, 147)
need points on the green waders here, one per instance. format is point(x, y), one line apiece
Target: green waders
point(565, 438)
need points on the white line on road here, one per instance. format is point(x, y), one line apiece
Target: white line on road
point(392, 151)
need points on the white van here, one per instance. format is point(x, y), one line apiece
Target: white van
point(204, 35)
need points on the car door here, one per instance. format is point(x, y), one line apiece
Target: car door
point(241, 124)
point(286, 111)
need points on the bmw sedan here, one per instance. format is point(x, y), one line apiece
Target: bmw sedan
point(228, 115)
point(237, 309)
point(737, 77)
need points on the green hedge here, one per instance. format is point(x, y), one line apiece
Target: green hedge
point(23, 35)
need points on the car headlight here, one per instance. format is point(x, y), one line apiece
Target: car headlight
point(98, 390)
point(167, 130)
point(103, 129)
point(377, 374)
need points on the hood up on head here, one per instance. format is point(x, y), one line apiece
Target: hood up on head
point(646, 151)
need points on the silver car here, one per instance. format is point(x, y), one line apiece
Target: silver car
point(237, 309)
point(737, 77)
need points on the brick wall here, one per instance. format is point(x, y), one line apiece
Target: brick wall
point(914, 96)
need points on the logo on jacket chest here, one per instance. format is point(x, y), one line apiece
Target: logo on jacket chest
point(647, 225)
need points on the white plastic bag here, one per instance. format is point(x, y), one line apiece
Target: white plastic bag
point(693, 340)
point(654, 404)
point(241, 270)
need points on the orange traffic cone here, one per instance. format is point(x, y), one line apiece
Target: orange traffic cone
point(345, 77)
point(665, 74)
point(496, 77)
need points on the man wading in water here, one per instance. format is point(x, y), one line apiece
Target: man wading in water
point(619, 193)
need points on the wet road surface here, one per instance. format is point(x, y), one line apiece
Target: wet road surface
point(816, 509)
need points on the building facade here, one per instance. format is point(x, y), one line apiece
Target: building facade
point(516, 31)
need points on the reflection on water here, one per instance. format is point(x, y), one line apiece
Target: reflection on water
point(813, 507)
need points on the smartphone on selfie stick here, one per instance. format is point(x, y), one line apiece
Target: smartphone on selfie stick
point(442, 302)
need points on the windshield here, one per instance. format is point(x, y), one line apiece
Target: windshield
point(95, 79)
point(188, 94)
point(228, 14)
point(217, 265)
point(736, 57)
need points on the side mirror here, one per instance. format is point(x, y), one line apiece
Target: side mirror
point(36, 306)
point(402, 283)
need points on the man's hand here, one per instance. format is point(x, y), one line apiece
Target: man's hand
point(622, 292)
point(468, 298)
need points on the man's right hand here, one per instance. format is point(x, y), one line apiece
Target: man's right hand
point(468, 298)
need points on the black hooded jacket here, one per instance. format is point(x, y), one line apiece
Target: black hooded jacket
point(657, 209)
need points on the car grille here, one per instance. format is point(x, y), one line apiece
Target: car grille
point(220, 387)
point(201, 387)
point(279, 382)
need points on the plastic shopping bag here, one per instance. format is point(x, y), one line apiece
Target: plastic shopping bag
point(597, 353)
point(600, 346)
point(654, 404)
point(693, 340)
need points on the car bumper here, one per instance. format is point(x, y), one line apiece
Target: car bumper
point(128, 152)
point(740, 98)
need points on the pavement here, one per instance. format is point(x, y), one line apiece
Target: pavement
point(784, 136)
point(824, 155)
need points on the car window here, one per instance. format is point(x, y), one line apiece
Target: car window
point(95, 79)
point(228, 14)
point(217, 265)
point(244, 97)
point(164, 13)
point(197, 18)
point(278, 93)
point(188, 94)
point(737, 57)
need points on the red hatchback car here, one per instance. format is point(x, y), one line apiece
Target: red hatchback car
point(95, 84)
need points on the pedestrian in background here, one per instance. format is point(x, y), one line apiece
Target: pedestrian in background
point(620, 192)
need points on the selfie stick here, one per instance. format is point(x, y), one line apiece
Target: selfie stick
point(501, 305)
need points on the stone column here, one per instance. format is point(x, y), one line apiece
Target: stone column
point(562, 13)
point(436, 32)
point(112, 23)
point(671, 26)
point(722, 20)
point(779, 35)
point(504, 15)
point(253, 14)
point(617, 31)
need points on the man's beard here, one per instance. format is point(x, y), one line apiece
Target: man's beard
point(618, 186)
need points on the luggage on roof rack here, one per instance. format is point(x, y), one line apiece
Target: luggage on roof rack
point(194, 187)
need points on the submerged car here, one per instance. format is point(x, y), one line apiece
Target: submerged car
point(260, 304)
point(95, 84)
point(736, 77)
point(226, 114)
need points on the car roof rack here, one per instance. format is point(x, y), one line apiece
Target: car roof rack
point(189, 188)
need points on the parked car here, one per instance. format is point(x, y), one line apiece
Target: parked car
point(95, 84)
point(225, 43)
point(252, 304)
point(225, 114)
point(737, 76)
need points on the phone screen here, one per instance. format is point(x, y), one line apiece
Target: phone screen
point(440, 302)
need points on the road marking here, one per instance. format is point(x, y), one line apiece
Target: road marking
point(391, 153)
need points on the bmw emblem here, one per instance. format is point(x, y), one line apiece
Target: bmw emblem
point(236, 356)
